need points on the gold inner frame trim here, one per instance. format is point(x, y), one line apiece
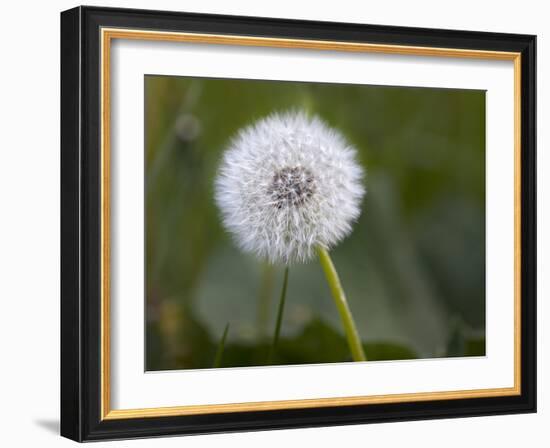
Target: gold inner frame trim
point(107, 35)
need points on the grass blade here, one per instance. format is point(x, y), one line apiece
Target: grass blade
point(279, 318)
point(221, 346)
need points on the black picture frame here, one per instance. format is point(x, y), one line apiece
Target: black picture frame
point(81, 227)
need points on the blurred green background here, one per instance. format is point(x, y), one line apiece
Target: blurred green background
point(413, 268)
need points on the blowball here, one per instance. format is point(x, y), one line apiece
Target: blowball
point(287, 184)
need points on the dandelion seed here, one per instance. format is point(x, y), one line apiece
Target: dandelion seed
point(287, 185)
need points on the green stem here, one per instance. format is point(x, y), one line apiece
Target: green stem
point(279, 317)
point(354, 341)
point(221, 347)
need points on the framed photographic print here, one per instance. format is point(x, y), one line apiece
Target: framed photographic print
point(273, 224)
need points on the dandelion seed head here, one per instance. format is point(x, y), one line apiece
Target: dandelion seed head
point(287, 184)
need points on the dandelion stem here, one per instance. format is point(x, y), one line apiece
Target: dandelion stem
point(221, 347)
point(354, 341)
point(279, 317)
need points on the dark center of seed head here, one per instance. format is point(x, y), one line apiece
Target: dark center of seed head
point(291, 186)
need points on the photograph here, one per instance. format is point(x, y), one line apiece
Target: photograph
point(296, 223)
point(272, 223)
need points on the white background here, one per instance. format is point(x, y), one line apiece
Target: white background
point(29, 236)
